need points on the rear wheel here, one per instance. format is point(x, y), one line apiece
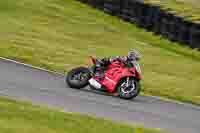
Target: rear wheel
point(78, 77)
point(129, 89)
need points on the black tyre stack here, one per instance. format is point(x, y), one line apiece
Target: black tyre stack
point(152, 18)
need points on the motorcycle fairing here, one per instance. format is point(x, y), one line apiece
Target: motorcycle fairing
point(115, 73)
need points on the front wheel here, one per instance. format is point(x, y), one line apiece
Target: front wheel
point(129, 89)
point(78, 77)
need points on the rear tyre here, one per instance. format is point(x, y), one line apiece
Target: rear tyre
point(78, 77)
point(131, 91)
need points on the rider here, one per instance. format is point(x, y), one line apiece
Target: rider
point(102, 64)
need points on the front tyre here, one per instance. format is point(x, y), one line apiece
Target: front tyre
point(78, 77)
point(129, 89)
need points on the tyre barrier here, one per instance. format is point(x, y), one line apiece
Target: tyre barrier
point(195, 36)
point(112, 7)
point(153, 19)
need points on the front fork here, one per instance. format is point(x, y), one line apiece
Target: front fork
point(127, 84)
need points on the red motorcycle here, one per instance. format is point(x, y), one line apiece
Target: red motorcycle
point(122, 78)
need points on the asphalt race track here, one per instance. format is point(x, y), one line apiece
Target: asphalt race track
point(40, 87)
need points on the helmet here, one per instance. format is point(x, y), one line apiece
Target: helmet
point(134, 55)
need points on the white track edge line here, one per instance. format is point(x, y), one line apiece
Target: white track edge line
point(31, 66)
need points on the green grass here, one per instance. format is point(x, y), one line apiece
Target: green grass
point(59, 35)
point(19, 117)
point(189, 9)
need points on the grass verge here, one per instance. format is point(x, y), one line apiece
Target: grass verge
point(189, 9)
point(59, 35)
point(19, 117)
